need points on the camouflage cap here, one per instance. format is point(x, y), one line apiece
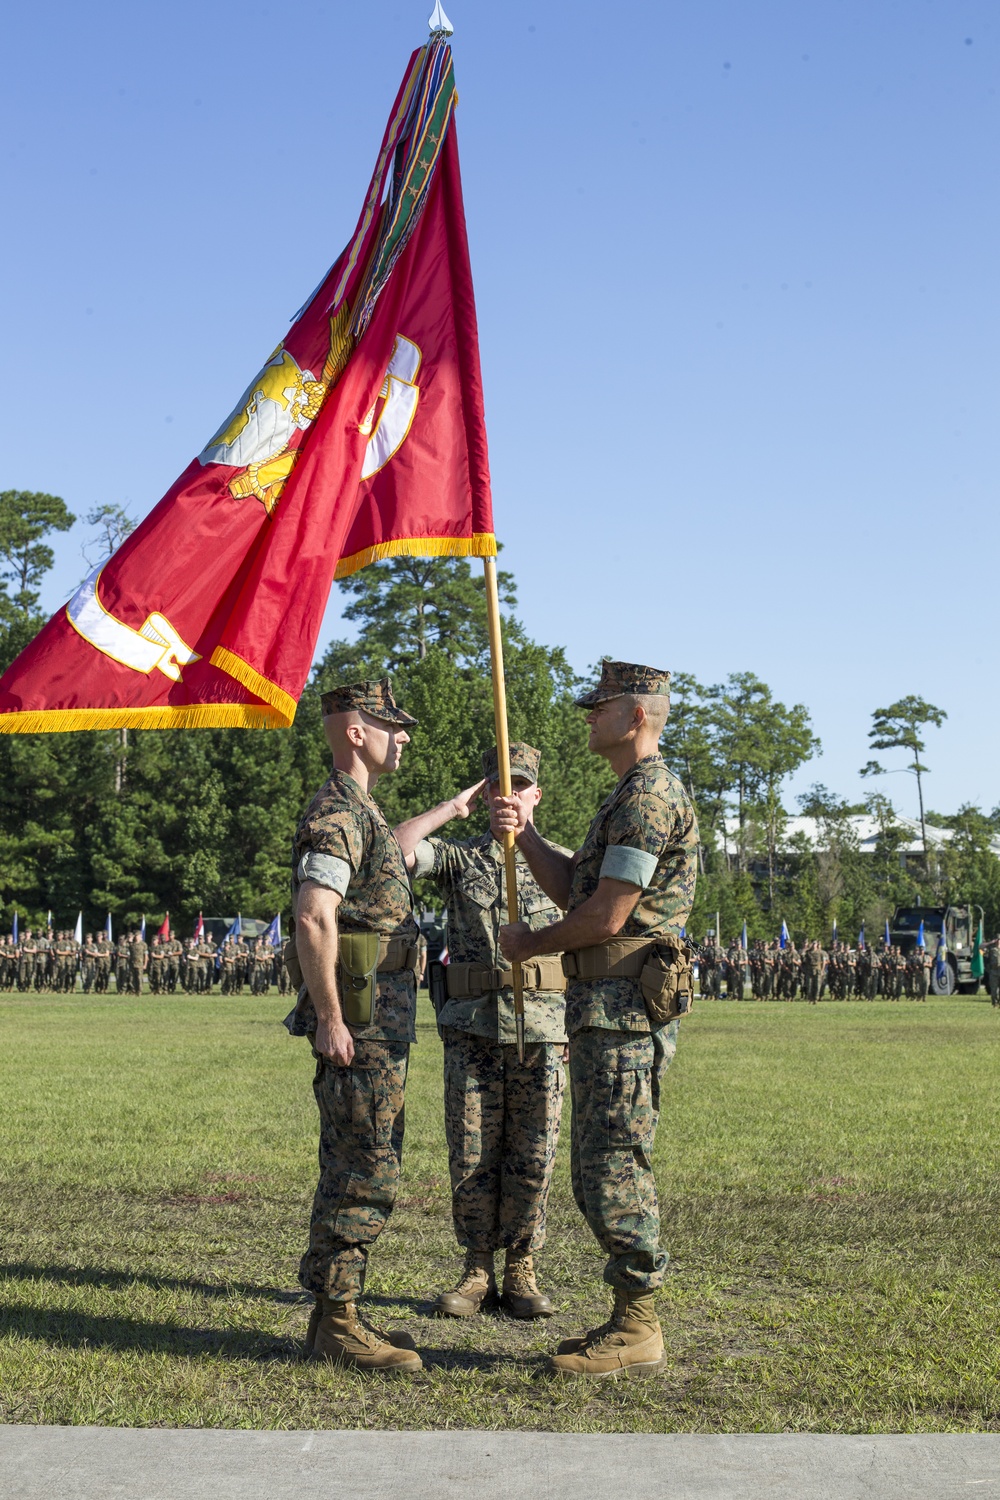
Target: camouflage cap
point(523, 762)
point(620, 677)
point(374, 698)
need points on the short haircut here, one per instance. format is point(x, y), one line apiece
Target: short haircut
point(656, 706)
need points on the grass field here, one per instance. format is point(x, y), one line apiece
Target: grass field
point(830, 1200)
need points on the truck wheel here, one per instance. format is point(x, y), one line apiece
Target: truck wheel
point(946, 983)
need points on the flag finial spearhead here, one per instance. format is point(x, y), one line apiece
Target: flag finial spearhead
point(439, 23)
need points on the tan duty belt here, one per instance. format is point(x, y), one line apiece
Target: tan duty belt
point(618, 958)
point(470, 981)
point(398, 953)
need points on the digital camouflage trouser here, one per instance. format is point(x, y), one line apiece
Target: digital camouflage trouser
point(615, 1079)
point(501, 1118)
point(360, 1150)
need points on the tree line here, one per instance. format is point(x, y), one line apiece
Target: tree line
point(142, 822)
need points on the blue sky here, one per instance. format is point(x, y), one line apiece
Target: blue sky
point(736, 273)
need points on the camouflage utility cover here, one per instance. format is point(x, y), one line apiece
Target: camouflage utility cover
point(524, 761)
point(471, 877)
point(344, 822)
point(374, 698)
point(648, 811)
point(621, 677)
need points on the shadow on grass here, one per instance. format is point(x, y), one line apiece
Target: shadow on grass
point(87, 1331)
point(64, 1328)
point(122, 1280)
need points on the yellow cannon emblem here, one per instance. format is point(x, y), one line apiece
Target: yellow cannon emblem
point(284, 399)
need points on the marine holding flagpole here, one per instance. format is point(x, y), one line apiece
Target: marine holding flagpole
point(627, 894)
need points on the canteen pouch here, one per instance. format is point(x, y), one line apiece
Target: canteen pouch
point(290, 958)
point(667, 984)
point(437, 983)
point(359, 955)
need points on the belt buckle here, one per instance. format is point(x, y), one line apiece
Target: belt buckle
point(496, 979)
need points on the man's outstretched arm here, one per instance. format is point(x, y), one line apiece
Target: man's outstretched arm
point(414, 830)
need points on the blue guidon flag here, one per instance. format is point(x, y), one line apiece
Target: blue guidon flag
point(273, 933)
point(784, 939)
point(940, 964)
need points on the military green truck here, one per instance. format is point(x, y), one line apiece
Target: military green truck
point(960, 926)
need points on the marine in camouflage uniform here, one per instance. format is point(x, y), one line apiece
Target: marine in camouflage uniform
point(349, 878)
point(710, 967)
point(121, 961)
point(138, 961)
point(88, 963)
point(157, 965)
point(632, 883)
point(813, 963)
point(261, 963)
point(26, 961)
point(174, 949)
point(735, 972)
point(43, 962)
point(10, 957)
point(501, 1116)
point(993, 970)
point(103, 963)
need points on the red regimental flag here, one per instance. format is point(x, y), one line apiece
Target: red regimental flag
point(362, 437)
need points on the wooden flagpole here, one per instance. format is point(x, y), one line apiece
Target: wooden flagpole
point(503, 757)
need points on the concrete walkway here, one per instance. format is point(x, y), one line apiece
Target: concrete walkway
point(109, 1463)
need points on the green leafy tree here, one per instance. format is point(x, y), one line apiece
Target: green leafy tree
point(688, 745)
point(406, 605)
point(758, 744)
point(25, 518)
point(898, 728)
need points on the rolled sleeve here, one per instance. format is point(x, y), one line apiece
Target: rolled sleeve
point(634, 866)
point(325, 870)
point(423, 858)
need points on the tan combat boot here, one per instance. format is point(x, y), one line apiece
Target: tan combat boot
point(342, 1338)
point(477, 1287)
point(630, 1344)
point(521, 1297)
point(397, 1337)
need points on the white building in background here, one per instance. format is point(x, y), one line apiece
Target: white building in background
point(866, 831)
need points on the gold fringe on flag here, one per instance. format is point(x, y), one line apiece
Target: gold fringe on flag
point(260, 686)
point(191, 716)
point(480, 544)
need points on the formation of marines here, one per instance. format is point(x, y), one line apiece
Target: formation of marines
point(54, 961)
point(606, 978)
point(812, 973)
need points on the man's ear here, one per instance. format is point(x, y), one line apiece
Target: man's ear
point(538, 795)
point(355, 733)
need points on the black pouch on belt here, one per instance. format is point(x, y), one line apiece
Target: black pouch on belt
point(437, 983)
